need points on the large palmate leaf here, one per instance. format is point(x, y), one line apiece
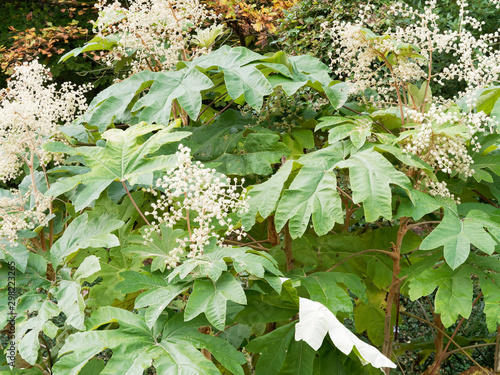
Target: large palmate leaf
point(124, 157)
point(454, 295)
point(135, 346)
point(315, 321)
point(210, 297)
point(83, 233)
point(370, 175)
point(457, 235)
point(241, 79)
point(312, 194)
point(184, 85)
point(113, 104)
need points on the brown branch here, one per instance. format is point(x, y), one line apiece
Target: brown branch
point(348, 196)
point(288, 249)
point(394, 287)
point(221, 111)
point(212, 103)
point(133, 202)
point(448, 337)
point(441, 357)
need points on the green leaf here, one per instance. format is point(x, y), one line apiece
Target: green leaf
point(422, 205)
point(184, 85)
point(70, 301)
point(87, 268)
point(357, 130)
point(491, 291)
point(159, 248)
point(454, 296)
point(14, 252)
point(210, 297)
point(94, 44)
point(370, 175)
point(273, 348)
point(243, 153)
point(241, 79)
point(269, 307)
point(369, 315)
point(83, 233)
point(28, 331)
point(113, 104)
point(125, 157)
point(158, 299)
point(312, 194)
point(264, 197)
point(456, 235)
point(299, 359)
point(135, 347)
point(327, 289)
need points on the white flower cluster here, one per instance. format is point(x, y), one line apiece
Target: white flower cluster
point(30, 112)
point(441, 139)
point(15, 214)
point(403, 55)
point(191, 190)
point(155, 32)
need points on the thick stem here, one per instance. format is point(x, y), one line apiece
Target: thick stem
point(288, 249)
point(439, 338)
point(133, 202)
point(394, 288)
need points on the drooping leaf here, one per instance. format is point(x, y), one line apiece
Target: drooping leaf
point(113, 104)
point(184, 85)
point(27, 333)
point(264, 197)
point(241, 78)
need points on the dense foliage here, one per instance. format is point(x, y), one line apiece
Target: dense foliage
point(219, 210)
